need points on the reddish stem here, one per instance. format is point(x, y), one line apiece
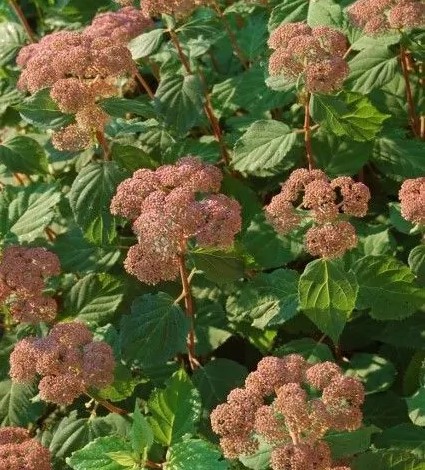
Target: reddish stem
point(144, 84)
point(232, 36)
point(109, 406)
point(413, 118)
point(100, 136)
point(151, 464)
point(208, 109)
point(19, 178)
point(307, 133)
point(188, 303)
point(19, 13)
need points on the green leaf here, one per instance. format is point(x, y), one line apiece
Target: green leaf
point(403, 437)
point(349, 114)
point(416, 407)
point(338, 155)
point(267, 300)
point(179, 101)
point(141, 434)
point(376, 373)
point(312, 351)
point(387, 460)
point(124, 383)
point(413, 333)
point(146, 44)
point(26, 211)
point(12, 38)
point(94, 298)
point(155, 330)
point(324, 13)
point(194, 453)
point(264, 148)
point(236, 93)
point(269, 249)
point(9, 95)
point(384, 410)
point(398, 157)
point(372, 68)
point(343, 443)
point(328, 296)
point(120, 107)
point(216, 379)
point(174, 410)
point(131, 158)
point(40, 110)
point(218, 266)
point(22, 154)
point(90, 198)
point(387, 288)
point(73, 434)
point(16, 407)
point(96, 454)
point(211, 327)
point(78, 255)
point(417, 263)
point(252, 38)
point(288, 11)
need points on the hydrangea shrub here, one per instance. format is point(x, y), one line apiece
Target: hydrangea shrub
point(212, 226)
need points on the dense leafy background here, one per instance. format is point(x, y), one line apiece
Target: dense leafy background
point(266, 296)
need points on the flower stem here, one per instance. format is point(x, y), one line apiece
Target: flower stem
point(109, 406)
point(307, 133)
point(231, 36)
point(413, 119)
point(20, 14)
point(208, 109)
point(100, 136)
point(144, 84)
point(188, 303)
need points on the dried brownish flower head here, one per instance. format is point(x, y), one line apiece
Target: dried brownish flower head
point(68, 360)
point(314, 54)
point(412, 200)
point(22, 275)
point(293, 422)
point(18, 451)
point(381, 16)
point(311, 193)
point(169, 206)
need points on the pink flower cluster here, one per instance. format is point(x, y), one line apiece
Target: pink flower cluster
point(170, 7)
point(22, 274)
point(169, 206)
point(412, 199)
point(68, 360)
point(276, 405)
point(80, 69)
point(314, 54)
point(18, 451)
point(121, 26)
point(326, 201)
point(380, 16)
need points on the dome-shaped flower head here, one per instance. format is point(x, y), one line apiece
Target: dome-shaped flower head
point(314, 54)
point(18, 451)
point(68, 361)
point(412, 200)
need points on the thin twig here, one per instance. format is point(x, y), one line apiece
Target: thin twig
point(307, 133)
point(208, 109)
point(409, 96)
point(19, 178)
point(109, 406)
point(20, 14)
point(100, 135)
point(144, 84)
point(151, 464)
point(190, 313)
point(232, 37)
